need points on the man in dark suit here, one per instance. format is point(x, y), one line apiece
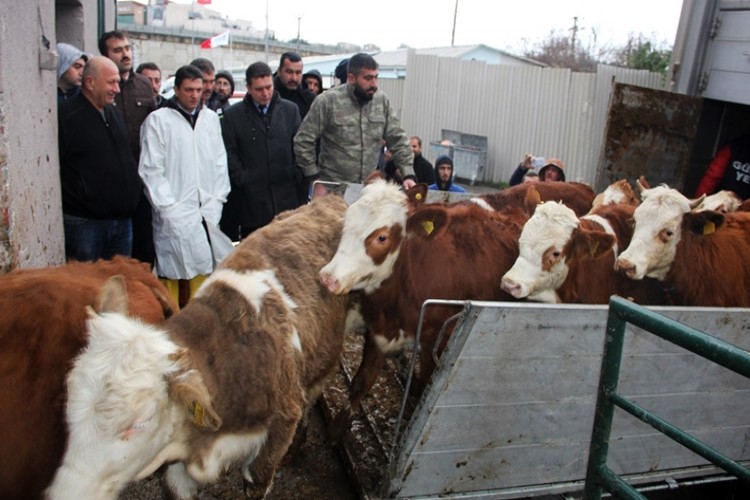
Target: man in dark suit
point(258, 135)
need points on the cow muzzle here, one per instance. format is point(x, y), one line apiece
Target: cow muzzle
point(331, 284)
point(512, 287)
point(627, 268)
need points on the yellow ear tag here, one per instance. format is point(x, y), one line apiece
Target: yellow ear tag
point(428, 226)
point(709, 228)
point(198, 415)
point(418, 196)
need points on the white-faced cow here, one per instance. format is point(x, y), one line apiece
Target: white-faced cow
point(702, 257)
point(401, 254)
point(225, 380)
point(724, 201)
point(566, 259)
point(618, 193)
point(42, 329)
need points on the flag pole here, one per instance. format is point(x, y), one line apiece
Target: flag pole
point(192, 30)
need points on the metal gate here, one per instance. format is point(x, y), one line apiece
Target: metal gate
point(621, 312)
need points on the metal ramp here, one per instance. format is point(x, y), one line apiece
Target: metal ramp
point(509, 413)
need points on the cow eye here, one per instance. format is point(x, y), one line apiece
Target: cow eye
point(382, 238)
point(665, 235)
point(556, 254)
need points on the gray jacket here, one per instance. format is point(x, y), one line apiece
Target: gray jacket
point(350, 136)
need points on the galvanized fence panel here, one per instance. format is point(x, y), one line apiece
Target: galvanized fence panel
point(710, 412)
point(509, 413)
point(520, 109)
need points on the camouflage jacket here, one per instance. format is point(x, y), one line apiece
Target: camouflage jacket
point(350, 136)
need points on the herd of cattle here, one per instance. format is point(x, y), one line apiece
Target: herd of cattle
point(104, 381)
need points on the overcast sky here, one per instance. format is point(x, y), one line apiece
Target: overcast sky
point(504, 24)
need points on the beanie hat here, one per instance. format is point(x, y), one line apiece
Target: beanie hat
point(315, 74)
point(66, 56)
point(553, 162)
point(227, 76)
point(341, 70)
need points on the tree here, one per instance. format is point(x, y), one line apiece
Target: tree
point(558, 51)
point(640, 53)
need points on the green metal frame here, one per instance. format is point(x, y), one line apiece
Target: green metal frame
point(598, 475)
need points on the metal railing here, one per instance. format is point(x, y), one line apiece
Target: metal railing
point(598, 475)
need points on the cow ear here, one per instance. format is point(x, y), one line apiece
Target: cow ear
point(426, 223)
point(642, 184)
point(704, 223)
point(417, 194)
point(592, 244)
point(532, 199)
point(188, 390)
point(112, 296)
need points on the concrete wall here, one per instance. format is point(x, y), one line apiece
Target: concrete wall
point(31, 229)
point(31, 226)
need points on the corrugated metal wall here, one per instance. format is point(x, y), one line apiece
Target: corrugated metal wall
point(544, 111)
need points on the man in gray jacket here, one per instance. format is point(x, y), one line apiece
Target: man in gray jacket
point(350, 121)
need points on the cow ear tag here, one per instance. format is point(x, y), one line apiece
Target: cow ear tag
point(709, 228)
point(428, 226)
point(418, 196)
point(198, 415)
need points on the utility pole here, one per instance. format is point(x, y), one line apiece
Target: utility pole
point(298, 22)
point(266, 37)
point(574, 30)
point(455, 15)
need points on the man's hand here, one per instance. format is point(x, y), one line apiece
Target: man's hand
point(408, 183)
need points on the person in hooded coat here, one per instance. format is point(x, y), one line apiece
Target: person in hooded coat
point(444, 176)
point(313, 81)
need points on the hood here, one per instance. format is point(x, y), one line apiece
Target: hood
point(341, 70)
point(315, 74)
point(227, 76)
point(66, 56)
point(442, 160)
point(553, 162)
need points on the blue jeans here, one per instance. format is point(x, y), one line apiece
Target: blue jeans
point(92, 239)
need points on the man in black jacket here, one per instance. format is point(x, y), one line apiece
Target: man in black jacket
point(422, 168)
point(258, 135)
point(98, 174)
point(135, 101)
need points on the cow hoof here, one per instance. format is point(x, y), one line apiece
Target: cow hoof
point(255, 491)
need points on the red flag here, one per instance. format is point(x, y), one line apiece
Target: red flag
point(204, 2)
point(216, 41)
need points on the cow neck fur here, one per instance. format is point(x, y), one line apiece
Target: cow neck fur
point(713, 269)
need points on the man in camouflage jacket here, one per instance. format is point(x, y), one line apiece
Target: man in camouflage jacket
point(351, 120)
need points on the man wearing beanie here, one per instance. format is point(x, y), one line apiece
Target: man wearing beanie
point(224, 88)
point(70, 63)
point(444, 176)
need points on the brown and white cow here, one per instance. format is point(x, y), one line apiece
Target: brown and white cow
point(619, 192)
point(225, 380)
point(401, 253)
point(566, 259)
point(724, 201)
point(702, 257)
point(42, 329)
point(576, 195)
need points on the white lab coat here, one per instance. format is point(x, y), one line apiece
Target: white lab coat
point(185, 175)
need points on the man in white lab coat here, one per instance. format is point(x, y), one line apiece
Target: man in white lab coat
point(183, 165)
